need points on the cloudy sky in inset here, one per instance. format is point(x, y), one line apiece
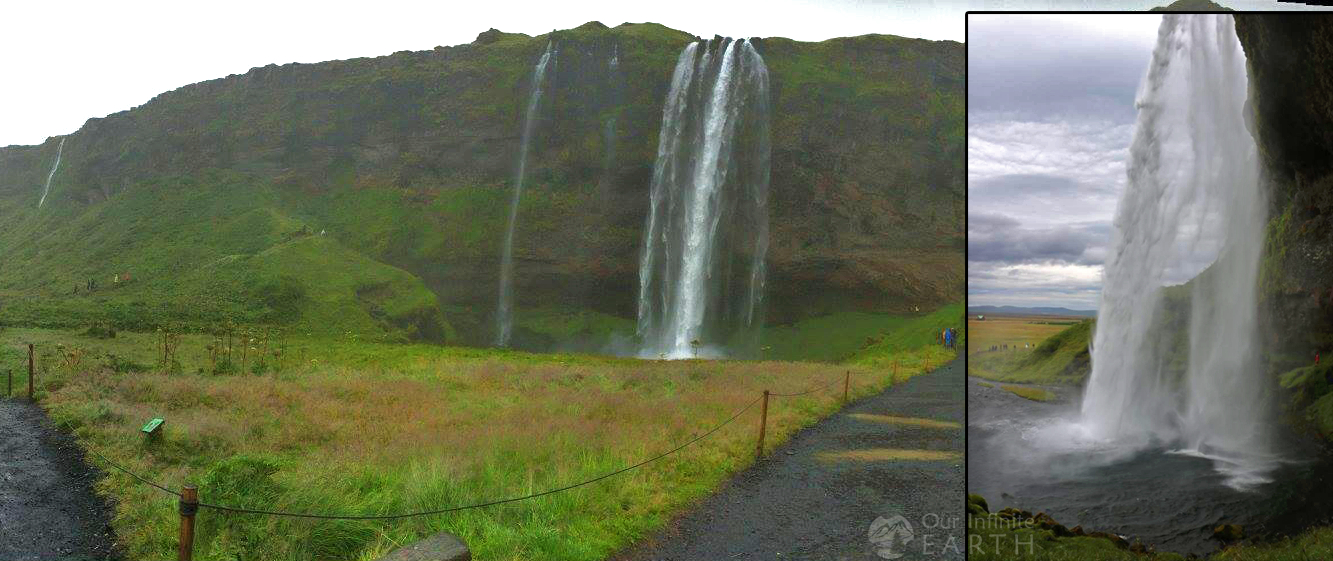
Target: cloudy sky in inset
point(1050, 119)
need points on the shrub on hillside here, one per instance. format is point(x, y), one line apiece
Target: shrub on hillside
point(283, 296)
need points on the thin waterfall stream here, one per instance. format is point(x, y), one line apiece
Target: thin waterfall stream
point(47, 189)
point(504, 313)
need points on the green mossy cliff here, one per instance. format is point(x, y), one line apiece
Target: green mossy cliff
point(1291, 94)
point(404, 163)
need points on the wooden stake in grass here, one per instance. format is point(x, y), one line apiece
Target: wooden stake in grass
point(30, 368)
point(763, 423)
point(846, 385)
point(189, 504)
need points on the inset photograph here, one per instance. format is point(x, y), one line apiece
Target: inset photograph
point(1150, 241)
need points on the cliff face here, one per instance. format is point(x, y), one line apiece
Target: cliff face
point(1291, 94)
point(408, 160)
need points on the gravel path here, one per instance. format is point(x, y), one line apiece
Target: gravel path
point(48, 509)
point(795, 504)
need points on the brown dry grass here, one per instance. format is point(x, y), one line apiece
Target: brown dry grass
point(1012, 330)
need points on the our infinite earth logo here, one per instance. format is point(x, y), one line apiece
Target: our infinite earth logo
point(886, 534)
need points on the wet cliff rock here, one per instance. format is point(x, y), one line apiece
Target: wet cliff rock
point(1291, 95)
point(408, 160)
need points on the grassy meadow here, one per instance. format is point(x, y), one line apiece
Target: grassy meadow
point(1057, 352)
point(343, 425)
point(1029, 392)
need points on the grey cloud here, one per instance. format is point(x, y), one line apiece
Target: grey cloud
point(1038, 185)
point(992, 241)
point(1087, 156)
point(990, 222)
point(1030, 69)
point(999, 284)
point(1041, 200)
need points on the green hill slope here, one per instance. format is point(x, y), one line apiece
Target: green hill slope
point(201, 251)
point(404, 163)
point(1062, 358)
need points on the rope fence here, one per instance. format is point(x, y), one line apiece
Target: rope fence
point(607, 475)
point(189, 503)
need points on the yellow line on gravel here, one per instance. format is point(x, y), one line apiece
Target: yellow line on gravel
point(890, 454)
point(914, 421)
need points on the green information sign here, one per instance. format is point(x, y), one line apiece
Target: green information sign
point(152, 425)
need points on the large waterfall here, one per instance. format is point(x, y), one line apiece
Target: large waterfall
point(47, 190)
point(701, 271)
point(1194, 188)
point(504, 314)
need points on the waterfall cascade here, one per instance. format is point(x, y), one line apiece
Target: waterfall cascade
point(47, 190)
point(702, 271)
point(1193, 180)
point(505, 304)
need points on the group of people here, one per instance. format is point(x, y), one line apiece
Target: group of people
point(92, 285)
point(1005, 347)
point(949, 337)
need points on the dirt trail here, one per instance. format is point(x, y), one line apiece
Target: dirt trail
point(48, 509)
point(801, 503)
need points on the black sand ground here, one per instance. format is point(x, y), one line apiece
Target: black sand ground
point(48, 509)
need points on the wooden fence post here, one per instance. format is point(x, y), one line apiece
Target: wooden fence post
point(189, 504)
point(846, 384)
point(29, 371)
point(763, 422)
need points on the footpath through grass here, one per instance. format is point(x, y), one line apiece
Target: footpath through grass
point(372, 428)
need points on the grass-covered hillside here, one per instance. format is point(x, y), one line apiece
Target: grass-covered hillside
point(244, 197)
point(1057, 351)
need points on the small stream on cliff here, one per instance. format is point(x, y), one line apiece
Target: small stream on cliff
point(56, 166)
point(504, 313)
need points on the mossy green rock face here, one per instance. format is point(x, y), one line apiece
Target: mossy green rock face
point(405, 164)
point(1291, 69)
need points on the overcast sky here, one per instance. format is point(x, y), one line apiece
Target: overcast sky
point(68, 61)
point(72, 60)
point(1050, 119)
